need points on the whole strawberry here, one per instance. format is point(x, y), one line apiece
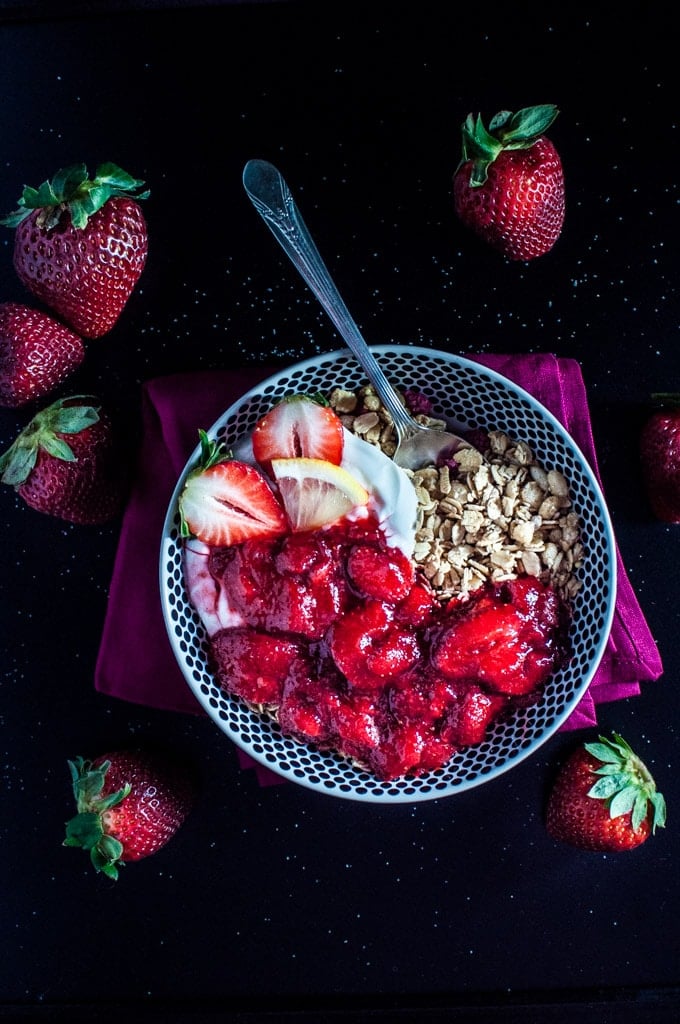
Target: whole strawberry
point(81, 244)
point(66, 462)
point(509, 185)
point(36, 354)
point(604, 798)
point(660, 457)
point(129, 803)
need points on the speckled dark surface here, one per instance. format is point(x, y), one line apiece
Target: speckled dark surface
point(277, 900)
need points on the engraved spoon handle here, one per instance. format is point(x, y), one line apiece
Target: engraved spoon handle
point(272, 199)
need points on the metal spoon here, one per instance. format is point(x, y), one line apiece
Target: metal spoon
point(418, 445)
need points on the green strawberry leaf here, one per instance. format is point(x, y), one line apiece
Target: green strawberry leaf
point(659, 805)
point(71, 419)
point(45, 196)
point(71, 189)
point(212, 452)
point(607, 786)
point(603, 752)
point(88, 782)
point(110, 847)
point(623, 801)
point(526, 125)
point(116, 178)
point(499, 120)
point(113, 799)
point(84, 830)
point(639, 810)
point(80, 212)
point(105, 856)
point(68, 181)
point(16, 463)
point(57, 448)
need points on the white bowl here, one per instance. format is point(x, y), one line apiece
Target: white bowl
point(472, 396)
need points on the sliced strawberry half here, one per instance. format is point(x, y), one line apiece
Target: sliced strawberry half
point(226, 502)
point(301, 426)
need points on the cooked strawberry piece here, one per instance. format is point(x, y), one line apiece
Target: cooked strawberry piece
point(307, 706)
point(302, 608)
point(397, 683)
point(254, 665)
point(381, 572)
point(480, 640)
point(419, 605)
point(352, 636)
point(354, 722)
point(468, 717)
point(369, 648)
point(301, 426)
point(225, 501)
point(271, 599)
point(409, 698)
point(400, 751)
point(304, 554)
point(435, 754)
point(511, 647)
point(421, 695)
point(395, 653)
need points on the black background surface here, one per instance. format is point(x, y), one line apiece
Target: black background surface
point(279, 903)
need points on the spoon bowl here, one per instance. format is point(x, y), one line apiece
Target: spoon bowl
point(417, 445)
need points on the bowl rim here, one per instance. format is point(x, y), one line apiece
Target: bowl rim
point(517, 756)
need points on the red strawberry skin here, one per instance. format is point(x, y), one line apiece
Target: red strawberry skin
point(158, 803)
point(36, 354)
point(519, 210)
point(660, 461)
point(85, 275)
point(88, 489)
point(299, 426)
point(578, 819)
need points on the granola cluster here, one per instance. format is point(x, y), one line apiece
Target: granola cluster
point(495, 515)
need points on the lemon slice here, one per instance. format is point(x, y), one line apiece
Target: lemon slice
point(316, 493)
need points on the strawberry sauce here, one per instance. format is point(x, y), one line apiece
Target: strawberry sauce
point(339, 636)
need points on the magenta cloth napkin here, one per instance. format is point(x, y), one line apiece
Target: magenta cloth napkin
point(135, 661)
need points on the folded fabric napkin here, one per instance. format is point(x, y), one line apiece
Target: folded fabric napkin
point(135, 661)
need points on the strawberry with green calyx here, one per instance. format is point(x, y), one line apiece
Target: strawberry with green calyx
point(36, 354)
point(225, 501)
point(129, 805)
point(81, 244)
point(604, 798)
point(660, 457)
point(509, 184)
point(66, 463)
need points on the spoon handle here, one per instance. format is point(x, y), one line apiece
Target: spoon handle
point(272, 199)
